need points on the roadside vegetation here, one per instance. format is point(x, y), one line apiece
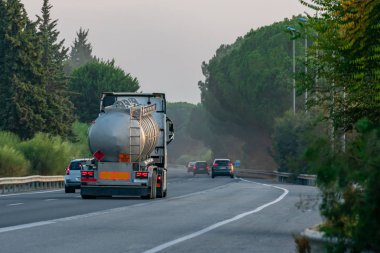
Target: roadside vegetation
point(48, 93)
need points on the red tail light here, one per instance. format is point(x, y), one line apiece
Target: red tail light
point(194, 168)
point(215, 164)
point(87, 176)
point(229, 164)
point(142, 174)
point(208, 167)
point(68, 170)
point(87, 173)
point(158, 181)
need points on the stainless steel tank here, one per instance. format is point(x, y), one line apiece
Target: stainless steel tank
point(114, 133)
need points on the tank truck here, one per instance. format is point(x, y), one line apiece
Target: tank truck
point(129, 143)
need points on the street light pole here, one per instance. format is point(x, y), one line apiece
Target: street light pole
point(294, 76)
point(304, 20)
point(292, 30)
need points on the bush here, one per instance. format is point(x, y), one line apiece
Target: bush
point(291, 136)
point(80, 131)
point(48, 155)
point(12, 162)
point(8, 139)
point(349, 181)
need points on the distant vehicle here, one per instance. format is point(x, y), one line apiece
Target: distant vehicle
point(201, 167)
point(73, 174)
point(190, 166)
point(222, 167)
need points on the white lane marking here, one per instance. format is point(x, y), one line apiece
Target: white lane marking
point(50, 199)
point(30, 225)
point(27, 193)
point(221, 223)
point(81, 216)
point(15, 204)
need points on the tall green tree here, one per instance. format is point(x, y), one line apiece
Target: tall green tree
point(247, 85)
point(345, 58)
point(59, 117)
point(93, 78)
point(22, 93)
point(81, 51)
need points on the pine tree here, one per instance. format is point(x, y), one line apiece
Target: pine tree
point(59, 118)
point(81, 51)
point(22, 93)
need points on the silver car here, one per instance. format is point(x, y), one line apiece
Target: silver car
point(73, 174)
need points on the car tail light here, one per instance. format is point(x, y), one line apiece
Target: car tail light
point(68, 170)
point(208, 167)
point(194, 168)
point(229, 164)
point(142, 174)
point(158, 181)
point(215, 164)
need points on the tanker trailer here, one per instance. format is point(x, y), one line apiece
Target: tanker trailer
point(128, 141)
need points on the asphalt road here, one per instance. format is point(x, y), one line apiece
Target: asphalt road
point(200, 214)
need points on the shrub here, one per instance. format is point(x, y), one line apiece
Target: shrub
point(8, 139)
point(12, 162)
point(349, 181)
point(80, 131)
point(291, 136)
point(48, 155)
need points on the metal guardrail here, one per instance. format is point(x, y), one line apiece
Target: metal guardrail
point(284, 177)
point(24, 184)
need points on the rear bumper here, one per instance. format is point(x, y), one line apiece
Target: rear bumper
point(201, 171)
point(105, 190)
point(222, 172)
point(74, 184)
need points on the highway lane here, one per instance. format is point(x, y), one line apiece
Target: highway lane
point(23, 208)
point(201, 215)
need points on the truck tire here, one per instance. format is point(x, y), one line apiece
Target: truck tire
point(88, 197)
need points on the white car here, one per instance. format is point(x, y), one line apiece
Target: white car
point(73, 174)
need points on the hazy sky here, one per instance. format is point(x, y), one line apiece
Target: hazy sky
point(163, 42)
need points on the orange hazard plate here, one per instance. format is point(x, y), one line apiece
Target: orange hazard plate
point(114, 175)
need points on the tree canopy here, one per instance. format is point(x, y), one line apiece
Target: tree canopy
point(90, 80)
point(247, 85)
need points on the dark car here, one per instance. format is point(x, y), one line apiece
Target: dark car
point(72, 177)
point(201, 167)
point(190, 166)
point(222, 167)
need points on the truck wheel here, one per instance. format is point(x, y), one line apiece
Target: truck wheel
point(88, 197)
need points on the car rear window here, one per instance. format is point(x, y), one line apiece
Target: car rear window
point(201, 164)
point(222, 162)
point(76, 165)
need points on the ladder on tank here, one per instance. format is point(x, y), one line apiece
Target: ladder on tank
point(135, 133)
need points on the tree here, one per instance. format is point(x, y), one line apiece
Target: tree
point(59, 117)
point(93, 78)
point(247, 85)
point(81, 51)
point(22, 93)
point(345, 59)
point(185, 148)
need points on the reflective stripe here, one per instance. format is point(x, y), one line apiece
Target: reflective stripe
point(114, 175)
